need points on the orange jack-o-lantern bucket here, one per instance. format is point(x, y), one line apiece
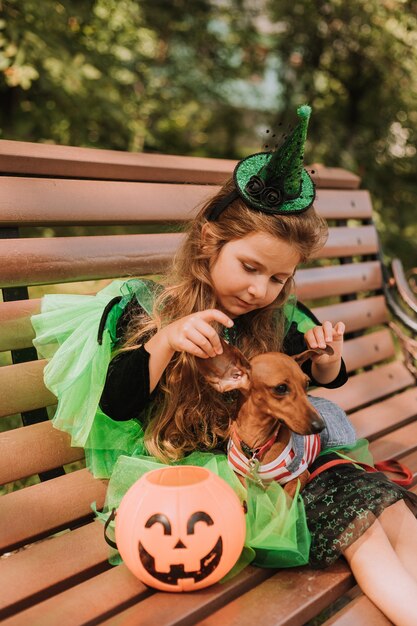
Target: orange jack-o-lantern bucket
point(180, 528)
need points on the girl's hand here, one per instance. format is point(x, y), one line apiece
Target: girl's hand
point(326, 335)
point(193, 333)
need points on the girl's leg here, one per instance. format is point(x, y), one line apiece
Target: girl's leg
point(382, 577)
point(400, 526)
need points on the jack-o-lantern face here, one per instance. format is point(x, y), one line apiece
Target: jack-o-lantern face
point(207, 563)
point(180, 528)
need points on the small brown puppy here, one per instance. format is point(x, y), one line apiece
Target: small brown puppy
point(272, 404)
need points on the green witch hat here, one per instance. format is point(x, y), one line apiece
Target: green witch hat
point(275, 182)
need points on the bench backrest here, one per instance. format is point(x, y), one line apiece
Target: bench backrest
point(56, 187)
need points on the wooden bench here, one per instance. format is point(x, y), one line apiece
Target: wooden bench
point(54, 566)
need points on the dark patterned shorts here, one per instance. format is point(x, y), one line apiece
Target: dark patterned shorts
point(341, 504)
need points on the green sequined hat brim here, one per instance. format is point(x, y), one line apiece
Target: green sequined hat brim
point(249, 167)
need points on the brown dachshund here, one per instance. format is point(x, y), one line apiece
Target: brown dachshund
point(272, 404)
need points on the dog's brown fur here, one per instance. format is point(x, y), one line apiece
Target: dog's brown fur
point(273, 393)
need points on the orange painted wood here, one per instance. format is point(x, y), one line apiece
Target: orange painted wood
point(387, 415)
point(369, 387)
point(34, 449)
point(92, 599)
point(49, 566)
point(356, 314)
point(289, 598)
point(28, 378)
point(41, 509)
point(336, 280)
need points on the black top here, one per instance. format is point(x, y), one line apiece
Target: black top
point(126, 391)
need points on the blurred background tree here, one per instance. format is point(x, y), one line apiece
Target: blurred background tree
point(206, 77)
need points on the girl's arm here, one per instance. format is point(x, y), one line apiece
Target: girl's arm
point(134, 374)
point(296, 341)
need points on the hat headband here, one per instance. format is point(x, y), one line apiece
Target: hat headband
point(274, 182)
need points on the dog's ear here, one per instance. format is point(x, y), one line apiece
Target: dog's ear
point(307, 354)
point(227, 371)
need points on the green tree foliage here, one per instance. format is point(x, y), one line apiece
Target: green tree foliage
point(119, 73)
point(159, 75)
point(356, 63)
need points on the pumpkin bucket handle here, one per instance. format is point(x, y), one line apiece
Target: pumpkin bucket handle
point(110, 519)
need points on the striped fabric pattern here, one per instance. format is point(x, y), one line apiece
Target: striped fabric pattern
point(278, 468)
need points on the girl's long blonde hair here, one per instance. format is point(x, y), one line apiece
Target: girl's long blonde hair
point(188, 414)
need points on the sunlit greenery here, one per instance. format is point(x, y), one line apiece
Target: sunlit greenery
point(205, 77)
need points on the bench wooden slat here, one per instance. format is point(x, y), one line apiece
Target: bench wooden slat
point(356, 314)
point(16, 331)
point(72, 496)
point(42, 261)
point(344, 205)
point(29, 261)
point(52, 565)
point(32, 261)
point(337, 280)
point(368, 350)
point(165, 609)
point(384, 416)
point(34, 201)
point(395, 444)
point(345, 242)
point(94, 598)
point(49, 448)
point(31, 201)
point(360, 612)
point(32, 393)
point(19, 157)
point(368, 387)
point(289, 598)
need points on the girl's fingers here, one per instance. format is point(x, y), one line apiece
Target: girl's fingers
point(199, 340)
point(214, 315)
point(211, 336)
point(340, 329)
point(319, 337)
point(192, 348)
point(328, 331)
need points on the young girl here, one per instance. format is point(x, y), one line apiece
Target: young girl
point(130, 392)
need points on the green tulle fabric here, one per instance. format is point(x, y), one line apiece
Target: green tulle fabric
point(66, 335)
point(276, 528)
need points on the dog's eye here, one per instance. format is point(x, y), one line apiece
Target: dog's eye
point(281, 390)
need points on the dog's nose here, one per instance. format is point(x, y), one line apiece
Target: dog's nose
point(317, 425)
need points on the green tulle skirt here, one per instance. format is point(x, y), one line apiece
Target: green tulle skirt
point(66, 334)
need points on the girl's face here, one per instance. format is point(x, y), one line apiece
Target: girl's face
point(249, 273)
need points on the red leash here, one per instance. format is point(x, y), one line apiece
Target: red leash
point(391, 465)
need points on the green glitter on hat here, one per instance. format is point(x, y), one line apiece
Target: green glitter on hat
point(276, 182)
